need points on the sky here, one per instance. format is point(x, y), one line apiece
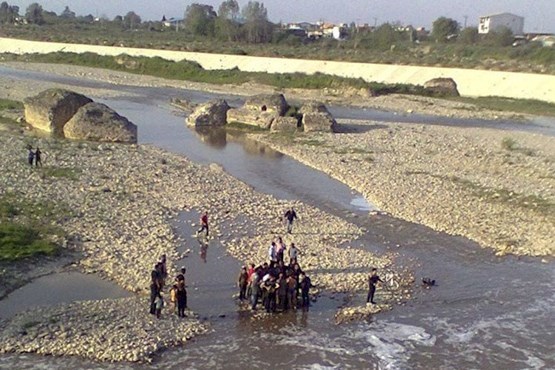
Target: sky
point(539, 15)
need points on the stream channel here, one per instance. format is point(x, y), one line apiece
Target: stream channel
point(487, 312)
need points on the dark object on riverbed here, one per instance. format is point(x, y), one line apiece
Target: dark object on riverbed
point(427, 282)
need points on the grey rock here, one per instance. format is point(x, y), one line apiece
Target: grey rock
point(285, 124)
point(319, 122)
point(213, 113)
point(97, 122)
point(442, 86)
point(51, 109)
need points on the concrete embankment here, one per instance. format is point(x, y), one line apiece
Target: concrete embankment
point(473, 83)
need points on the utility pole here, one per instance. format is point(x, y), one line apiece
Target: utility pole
point(465, 18)
point(375, 22)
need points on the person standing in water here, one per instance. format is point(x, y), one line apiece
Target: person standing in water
point(203, 223)
point(372, 281)
point(290, 216)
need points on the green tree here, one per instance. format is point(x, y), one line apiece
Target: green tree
point(34, 14)
point(469, 36)
point(257, 27)
point(199, 19)
point(67, 14)
point(443, 27)
point(131, 20)
point(8, 13)
point(227, 22)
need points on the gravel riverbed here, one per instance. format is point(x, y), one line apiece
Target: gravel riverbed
point(122, 200)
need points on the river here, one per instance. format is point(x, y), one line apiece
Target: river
point(486, 312)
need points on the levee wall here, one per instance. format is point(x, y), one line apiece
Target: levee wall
point(472, 83)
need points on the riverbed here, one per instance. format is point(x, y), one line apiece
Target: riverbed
point(485, 312)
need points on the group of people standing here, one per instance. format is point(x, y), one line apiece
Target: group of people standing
point(276, 283)
point(34, 156)
point(178, 291)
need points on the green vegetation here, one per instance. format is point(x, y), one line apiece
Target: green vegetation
point(526, 201)
point(18, 242)
point(25, 229)
point(10, 104)
point(239, 126)
point(69, 173)
point(510, 144)
point(247, 31)
point(526, 106)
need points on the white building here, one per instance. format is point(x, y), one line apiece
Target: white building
point(493, 22)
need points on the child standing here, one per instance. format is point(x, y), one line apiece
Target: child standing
point(159, 302)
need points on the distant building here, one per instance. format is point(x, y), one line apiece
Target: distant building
point(494, 22)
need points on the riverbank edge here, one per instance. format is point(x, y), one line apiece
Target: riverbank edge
point(470, 82)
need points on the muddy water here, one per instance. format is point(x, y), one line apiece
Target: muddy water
point(486, 312)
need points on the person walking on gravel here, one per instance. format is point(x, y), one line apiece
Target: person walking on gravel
point(290, 216)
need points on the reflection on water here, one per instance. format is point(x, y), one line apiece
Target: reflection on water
point(213, 136)
point(218, 137)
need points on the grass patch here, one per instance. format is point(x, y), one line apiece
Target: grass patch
point(26, 229)
point(29, 324)
point(526, 201)
point(525, 106)
point(511, 144)
point(239, 126)
point(311, 142)
point(18, 242)
point(352, 151)
point(192, 71)
point(59, 172)
point(10, 104)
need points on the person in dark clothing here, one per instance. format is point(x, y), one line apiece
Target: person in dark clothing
point(255, 289)
point(372, 281)
point(181, 297)
point(289, 216)
point(203, 224)
point(242, 282)
point(282, 293)
point(154, 291)
point(38, 159)
point(30, 155)
point(270, 287)
point(306, 284)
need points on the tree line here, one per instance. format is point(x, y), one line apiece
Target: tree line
point(250, 24)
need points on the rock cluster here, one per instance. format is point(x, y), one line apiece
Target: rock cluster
point(269, 112)
point(66, 113)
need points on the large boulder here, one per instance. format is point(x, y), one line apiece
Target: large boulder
point(316, 117)
point(97, 122)
point(51, 109)
point(285, 124)
point(259, 110)
point(442, 86)
point(314, 107)
point(261, 119)
point(213, 113)
point(319, 122)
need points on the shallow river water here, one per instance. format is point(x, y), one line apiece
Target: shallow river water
point(486, 312)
